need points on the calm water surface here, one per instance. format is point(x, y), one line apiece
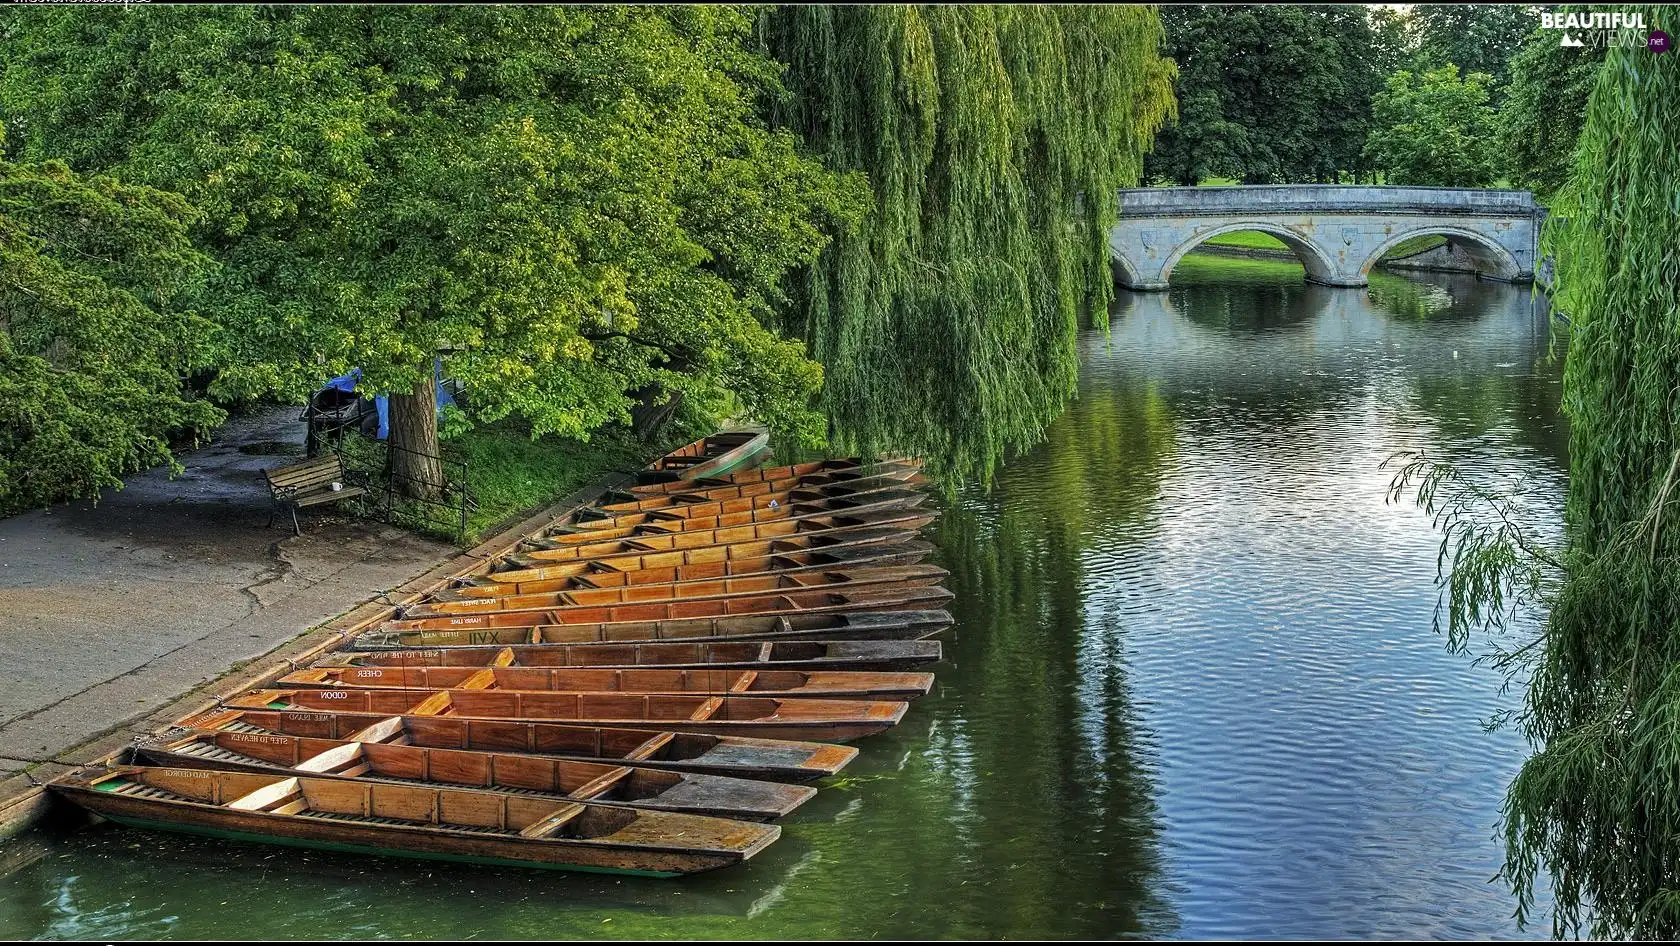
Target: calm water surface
point(1193, 690)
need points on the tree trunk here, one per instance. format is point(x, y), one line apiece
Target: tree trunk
point(415, 466)
point(654, 406)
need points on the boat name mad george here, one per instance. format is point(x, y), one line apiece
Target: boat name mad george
point(1592, 21)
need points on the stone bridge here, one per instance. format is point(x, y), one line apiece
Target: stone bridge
point(1338, 231)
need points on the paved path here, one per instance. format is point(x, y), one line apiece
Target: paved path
point(110, 611)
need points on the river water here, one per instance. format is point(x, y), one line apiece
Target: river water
point(1193, 690)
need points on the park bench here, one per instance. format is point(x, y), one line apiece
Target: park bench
point(309, 483)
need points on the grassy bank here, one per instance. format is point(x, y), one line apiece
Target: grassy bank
point(1248, 240)
point(508, 475)
point(1255, 240)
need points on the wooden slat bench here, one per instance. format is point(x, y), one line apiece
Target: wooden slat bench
point(308, 484)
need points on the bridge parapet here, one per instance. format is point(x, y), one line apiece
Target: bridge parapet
point(1338, 231)
point(1324, 198)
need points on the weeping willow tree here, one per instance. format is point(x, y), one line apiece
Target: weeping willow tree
point(1597, 807)
point(994, 138)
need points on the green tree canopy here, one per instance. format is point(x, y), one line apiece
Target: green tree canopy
point(1267, 94)
point(995, 139)
point(96, 332)
point(1544, 109)
point(577, 203)
point(1435, 129)
point(1393, 41)
point(1475, 37)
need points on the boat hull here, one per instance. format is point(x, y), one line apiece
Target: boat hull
point(790, 655)
point(784, 604)
point(716, 796)
point(714, 455)
point(804, 582)
point(769, 759)
point(653, 850)
point(798, 719)
point(835, 469)
point(914, 625)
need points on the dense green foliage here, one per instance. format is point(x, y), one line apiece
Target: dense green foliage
point(1599, 803)
point(1393, 41)
point(577, 203)
point(946, 321)
point(1475, 37)
point(1281, 94)
point(96, 332)
point(1544, 107)
point(1434, 129)
point(1267, 94)
point(1597, 807)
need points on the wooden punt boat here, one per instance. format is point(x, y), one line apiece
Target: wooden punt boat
point(709, 456)
point(423, 821)
point(545, 552)
point(781, 684)
point(834, 468)
point(619, 500)
point(705, 517)
point(885, 625)
point(588, 576)
point(717, 795)
point(878, 598)
point(763, 717)
point(705, 589)
point(777, 760)
point(731, 655)
point(631, 555)
point(761, 495)
point(884, 547)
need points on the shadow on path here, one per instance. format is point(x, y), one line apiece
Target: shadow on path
point(110, 610)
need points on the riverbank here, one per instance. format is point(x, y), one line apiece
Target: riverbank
point(1252, 244)
point(172, 592)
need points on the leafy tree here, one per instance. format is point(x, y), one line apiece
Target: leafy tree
point(1201, 141)
point(96, 332)
point(576, 203)
point(1475, 37)
point(995, 138)
point(1433, 129)
point(1393, 41)
point(1268, 94)
point(1544, 109)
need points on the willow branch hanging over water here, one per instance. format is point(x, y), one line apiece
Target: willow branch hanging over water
point(1599, 802)
point(1597, 807)
point(946, 321)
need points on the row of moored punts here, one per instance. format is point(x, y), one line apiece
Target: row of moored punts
point(643, 687)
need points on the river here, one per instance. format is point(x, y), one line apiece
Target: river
point(1193, 690)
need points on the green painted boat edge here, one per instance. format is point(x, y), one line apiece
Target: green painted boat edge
point(762, 452)
point(340, 847)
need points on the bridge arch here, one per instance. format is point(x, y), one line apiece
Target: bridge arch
point(1319, 267)
point(1121, 268)
point(1487, 254)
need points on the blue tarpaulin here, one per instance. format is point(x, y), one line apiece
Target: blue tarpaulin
point(347, 383)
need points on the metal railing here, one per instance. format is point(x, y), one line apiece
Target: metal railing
point(397, 494)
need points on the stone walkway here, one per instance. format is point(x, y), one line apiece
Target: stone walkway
point(109, 611)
